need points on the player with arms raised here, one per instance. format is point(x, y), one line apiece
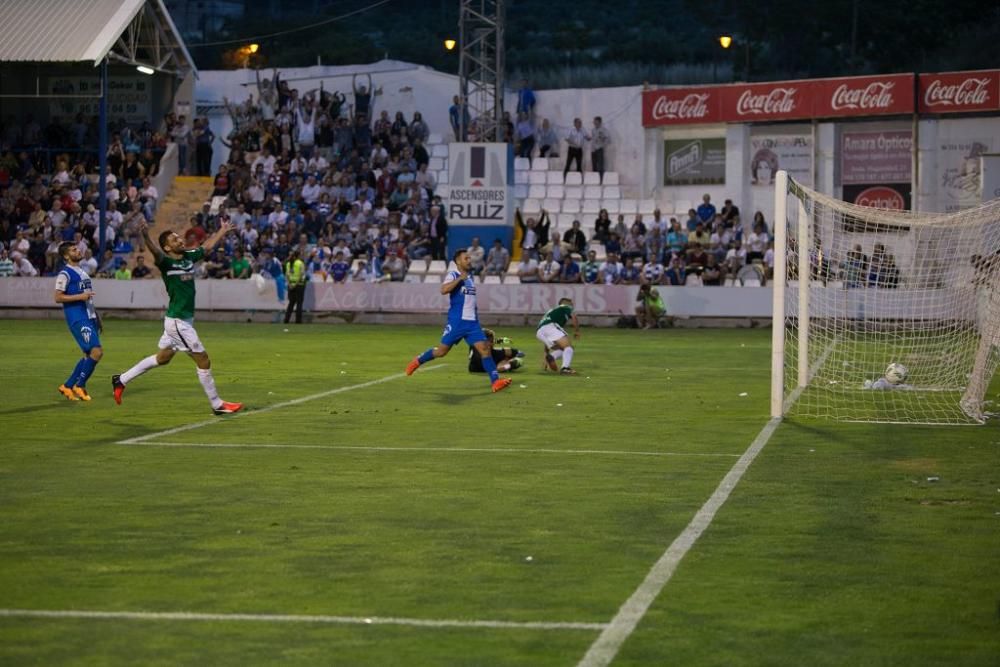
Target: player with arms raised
point(551, 331)
point(177, 266)
point(75, 294)
point(463, 322)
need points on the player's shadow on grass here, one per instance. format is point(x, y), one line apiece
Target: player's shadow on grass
point(450, 398)
point(42, 407)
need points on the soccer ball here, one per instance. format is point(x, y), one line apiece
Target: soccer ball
point(896, 373)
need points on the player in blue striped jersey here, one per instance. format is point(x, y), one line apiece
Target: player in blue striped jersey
point(76, 295)
point(463, 322)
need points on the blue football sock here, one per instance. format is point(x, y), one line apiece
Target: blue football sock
point(87, 367)
point(76, 372)
point(426, 356)
point(491, 368)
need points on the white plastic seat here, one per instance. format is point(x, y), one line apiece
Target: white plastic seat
point(573, 192)
point(413, 278)
point(511, 279)
point(522, 164)
point(554, 177)
point(418, 267)
point(435, 164)
point(443, 191)
point(667, 208)
point(731, 282)
point(439, 150)
point(555, 191)
point(536, 177)
point(570, 206)
point(629, 207)
point(432, 278)
point(520, 191)
point(540, 164)
point(491, 280)
point(591, 178)
point(682, 206)
point(574, 178)
point(612, 192)
point(751, 282)
point(611, 178)
point(521, 177)
point(591, 206)
point(434, 138)
point(531, 207)
point(612, 205)
point(693, 280)
point(566, 220)
point(647, 206)
point(592, 192)
point(536, 192)
point(552, 205)
point(437, 267)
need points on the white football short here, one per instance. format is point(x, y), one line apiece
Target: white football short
point(180, 335)
point(549, 334)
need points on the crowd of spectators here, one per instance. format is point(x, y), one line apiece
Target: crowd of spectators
point(49, 188)
point(707, 249)
point(347, 186)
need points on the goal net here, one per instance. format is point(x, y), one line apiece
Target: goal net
point(865, 288)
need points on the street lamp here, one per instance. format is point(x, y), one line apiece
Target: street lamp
point(725, 41)
point(449, 44)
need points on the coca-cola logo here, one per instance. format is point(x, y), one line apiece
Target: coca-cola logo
point(880, 196)
point(876, 95)
point(970, 92)
point(693, 105)
point(775, 101)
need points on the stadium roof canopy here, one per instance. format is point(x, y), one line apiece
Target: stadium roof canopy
point(135, 32)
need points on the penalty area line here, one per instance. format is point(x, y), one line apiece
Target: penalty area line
point(476, 450)
point(606, 646)
point(284, 404)
point(295, 618)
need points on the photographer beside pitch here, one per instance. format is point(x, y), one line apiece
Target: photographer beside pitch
point(176, 264)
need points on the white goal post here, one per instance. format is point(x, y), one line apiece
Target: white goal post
point(857, 288)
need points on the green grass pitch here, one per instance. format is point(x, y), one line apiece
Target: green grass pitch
point(428, 498)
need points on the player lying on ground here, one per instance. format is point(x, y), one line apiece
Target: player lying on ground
point(177, 266)
point(506, 358)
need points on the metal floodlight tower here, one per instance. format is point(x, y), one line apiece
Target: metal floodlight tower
point(481, 66)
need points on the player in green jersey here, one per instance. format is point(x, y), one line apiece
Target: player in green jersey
point(551, 331)
point(176, 264)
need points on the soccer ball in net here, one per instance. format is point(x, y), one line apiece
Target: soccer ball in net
point(896, 373)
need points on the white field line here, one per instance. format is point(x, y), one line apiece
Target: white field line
point(283, 404)
point(606, 646)
point(484, 450)
point(289, 618)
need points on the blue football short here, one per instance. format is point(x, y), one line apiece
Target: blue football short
point(85, 334)
point(468, 330)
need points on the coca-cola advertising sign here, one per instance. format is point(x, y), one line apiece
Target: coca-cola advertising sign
point(676, 106)
point(955, 92)
point(782, 100)
point(863, 96)
point(888, 196)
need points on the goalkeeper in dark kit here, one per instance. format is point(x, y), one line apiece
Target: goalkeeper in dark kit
point(506, 357)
